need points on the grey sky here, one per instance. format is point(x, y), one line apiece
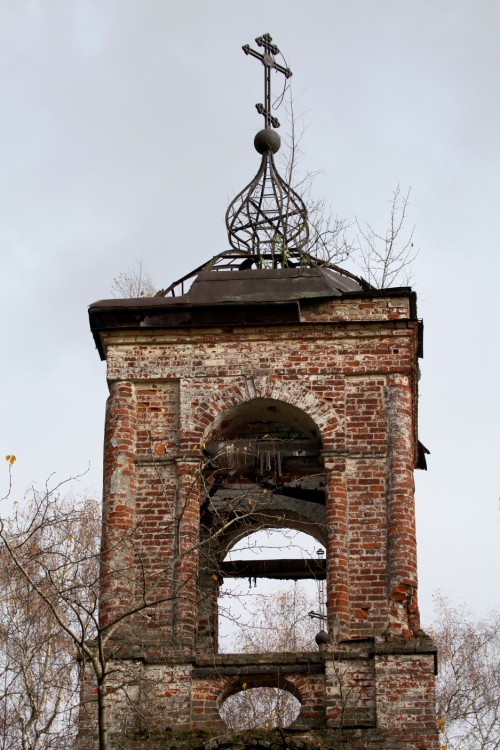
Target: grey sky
point(126, 128)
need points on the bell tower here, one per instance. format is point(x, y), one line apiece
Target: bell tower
point(268, 388)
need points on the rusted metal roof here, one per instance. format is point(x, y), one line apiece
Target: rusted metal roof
point(270, 285)
point(238, 260)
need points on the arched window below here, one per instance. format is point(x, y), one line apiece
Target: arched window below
point(260, 708)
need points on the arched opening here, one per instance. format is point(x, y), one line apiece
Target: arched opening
point(268, 442)
point(281, 607)
point(272, 703)
point(263, 410)
point(263, 470)
point(260, 708)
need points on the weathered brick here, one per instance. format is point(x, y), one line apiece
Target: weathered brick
point(347, 373)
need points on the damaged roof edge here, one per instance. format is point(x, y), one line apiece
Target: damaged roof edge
point(248, 297)
point(163, 303)
point(104, 318)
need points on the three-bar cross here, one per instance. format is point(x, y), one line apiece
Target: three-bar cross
point(268, 61)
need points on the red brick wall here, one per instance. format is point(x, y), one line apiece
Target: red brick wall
point(357, 386)
point(351, 366)
point(406, 699)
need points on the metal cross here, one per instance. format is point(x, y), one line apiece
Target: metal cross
point(268, 61)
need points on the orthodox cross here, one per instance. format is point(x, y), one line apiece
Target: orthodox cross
point(268, 61)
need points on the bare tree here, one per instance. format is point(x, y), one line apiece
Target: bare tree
point(39, 691)
point(53, 548)
point(283, 623)
point(329, 235)
point(468, 684)
point(278, 623)
point(136, 281)
point(38, 672)
point(387, 258)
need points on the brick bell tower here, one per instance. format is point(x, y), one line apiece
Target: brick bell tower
point(267, 376)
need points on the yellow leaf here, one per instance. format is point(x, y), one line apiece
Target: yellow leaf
point(215, 577)
point(249, 501)
point(244, 685)
point(10, 459)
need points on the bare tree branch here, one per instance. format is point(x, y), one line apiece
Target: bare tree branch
point(329, 235)
point(387, 258)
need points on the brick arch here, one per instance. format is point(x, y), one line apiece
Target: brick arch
point(271, 518)
point(307, 688)
point(211, 690)
point(249, 682)
point(205, 412)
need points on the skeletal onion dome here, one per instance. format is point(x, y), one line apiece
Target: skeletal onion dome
point(267, 216)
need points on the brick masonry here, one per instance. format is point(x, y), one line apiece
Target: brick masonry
point(347, 374)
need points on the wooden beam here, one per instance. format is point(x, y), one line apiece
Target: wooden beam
point(285, 569)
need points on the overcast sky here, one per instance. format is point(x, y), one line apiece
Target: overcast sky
point(127, 127)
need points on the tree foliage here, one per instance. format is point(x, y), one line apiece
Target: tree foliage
point(468, 683)
point(39, 692)
point(136, 281)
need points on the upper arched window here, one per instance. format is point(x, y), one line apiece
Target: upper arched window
point(265, 440)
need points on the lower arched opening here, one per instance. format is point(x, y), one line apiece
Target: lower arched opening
point(263, 707)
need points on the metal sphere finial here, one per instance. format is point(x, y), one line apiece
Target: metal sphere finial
point(267, 140)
